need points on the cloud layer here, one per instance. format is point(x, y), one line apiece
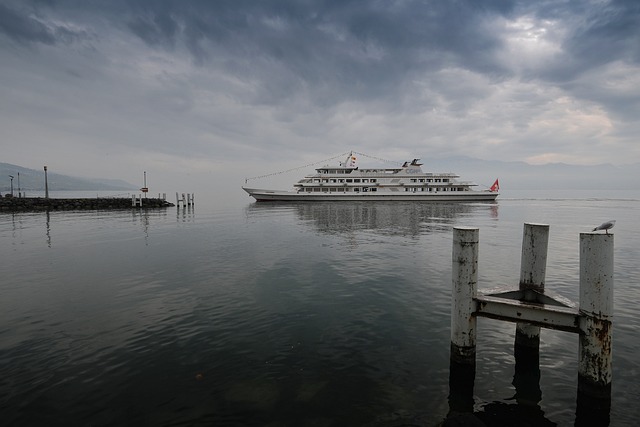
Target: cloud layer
point(122, 85)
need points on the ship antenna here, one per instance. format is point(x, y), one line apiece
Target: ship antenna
point(294, 169)
point(377, 158)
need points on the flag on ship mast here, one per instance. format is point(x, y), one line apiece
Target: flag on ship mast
point(495, 186)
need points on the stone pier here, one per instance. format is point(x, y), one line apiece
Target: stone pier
point(26, 204)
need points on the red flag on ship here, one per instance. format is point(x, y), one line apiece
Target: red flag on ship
point(495, 186)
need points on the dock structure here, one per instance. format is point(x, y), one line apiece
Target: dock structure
point(187, 200)
point(531, 307)
point(27, 204)
point(137, 200)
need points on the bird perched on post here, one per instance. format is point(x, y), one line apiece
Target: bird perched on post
point(606, 226)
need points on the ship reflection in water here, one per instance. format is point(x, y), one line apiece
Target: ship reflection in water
point(383, 218)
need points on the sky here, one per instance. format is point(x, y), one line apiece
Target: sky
point(207, 93)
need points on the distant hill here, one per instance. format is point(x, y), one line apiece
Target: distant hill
point(33, 180)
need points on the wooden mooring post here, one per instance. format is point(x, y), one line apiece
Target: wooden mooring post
point(185, 200)
point(531, 307)
point(136, 201)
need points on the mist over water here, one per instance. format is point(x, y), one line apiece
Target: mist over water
point(238, 313)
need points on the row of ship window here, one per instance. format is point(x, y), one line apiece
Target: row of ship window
point(341, 180)
point(339, 189)
point(373, 180)
point(372, 189)
point(430, 180)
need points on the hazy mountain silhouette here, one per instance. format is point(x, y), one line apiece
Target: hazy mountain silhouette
point(33, 180)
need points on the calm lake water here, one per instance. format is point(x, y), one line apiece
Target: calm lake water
point(323, 314)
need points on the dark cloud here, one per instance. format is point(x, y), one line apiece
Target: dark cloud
point(369, 50)
point(30, 23)
point(335, 49)
point(599, 36)
point(597, 33)
point(22, 27)
point(610, 32)
point(343, 48)
point(155, 29)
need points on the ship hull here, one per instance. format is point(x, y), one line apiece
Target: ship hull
point(262, 195)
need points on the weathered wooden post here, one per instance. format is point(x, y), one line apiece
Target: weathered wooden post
point(136, 201)
point(465, 286)
point(533, 268)
point(46, 184)
point(596, 310)
point(462, 365)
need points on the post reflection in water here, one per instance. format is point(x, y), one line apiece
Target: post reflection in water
point(185, 214)
point(48, 228)
point(528, 395)
point(592, 411)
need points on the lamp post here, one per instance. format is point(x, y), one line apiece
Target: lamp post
point(46, 184)
point(11, 176)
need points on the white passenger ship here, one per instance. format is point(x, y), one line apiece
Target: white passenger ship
point(348, 182)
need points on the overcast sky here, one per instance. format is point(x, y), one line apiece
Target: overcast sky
point(239, 88)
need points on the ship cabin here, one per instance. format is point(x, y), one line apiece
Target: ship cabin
point(408, 178)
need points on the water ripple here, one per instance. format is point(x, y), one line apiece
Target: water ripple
point(283, 314)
